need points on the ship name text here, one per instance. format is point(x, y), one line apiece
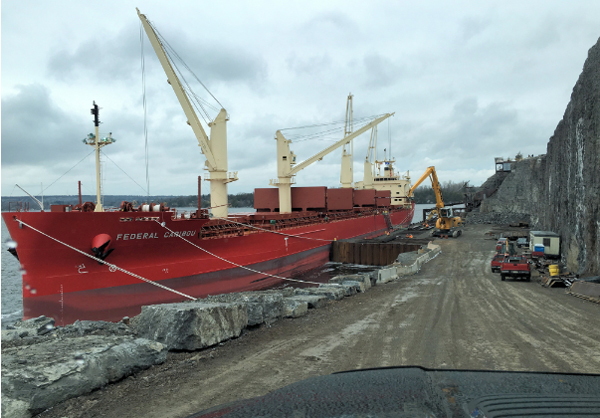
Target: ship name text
point(154, 235)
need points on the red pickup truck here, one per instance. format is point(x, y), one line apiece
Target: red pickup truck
point(515, 266)
point(497, 262)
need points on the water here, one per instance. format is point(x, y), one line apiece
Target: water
point(12, 292)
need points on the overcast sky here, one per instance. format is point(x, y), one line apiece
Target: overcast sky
point(468, 81)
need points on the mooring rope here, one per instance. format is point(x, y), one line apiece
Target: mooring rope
point(111, 267)
point(234, 263)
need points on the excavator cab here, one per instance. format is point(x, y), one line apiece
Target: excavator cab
point(446, 213)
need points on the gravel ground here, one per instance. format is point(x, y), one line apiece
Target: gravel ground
point(454, 314)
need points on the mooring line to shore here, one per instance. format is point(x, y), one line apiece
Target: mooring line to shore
point(111, 267)
point(236, 264)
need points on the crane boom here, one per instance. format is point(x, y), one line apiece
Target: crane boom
point(338, 144)
point(173, 80)
point(286, 158)
point(215, 148)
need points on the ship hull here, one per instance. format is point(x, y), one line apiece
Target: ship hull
point(60, 282)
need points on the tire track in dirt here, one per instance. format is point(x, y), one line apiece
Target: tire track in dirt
point(454, 313)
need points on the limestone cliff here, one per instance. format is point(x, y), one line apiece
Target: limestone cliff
point(561, 190)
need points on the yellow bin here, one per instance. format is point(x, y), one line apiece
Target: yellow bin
point(553, 269)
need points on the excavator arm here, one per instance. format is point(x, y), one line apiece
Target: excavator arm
point(447, 223)
point(435, 184)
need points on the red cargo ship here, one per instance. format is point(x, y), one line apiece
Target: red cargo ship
point(191, 255)
point(87, 262)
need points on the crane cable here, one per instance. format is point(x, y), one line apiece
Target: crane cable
point(143, 65)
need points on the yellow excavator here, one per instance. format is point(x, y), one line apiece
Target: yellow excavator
point(447, 224)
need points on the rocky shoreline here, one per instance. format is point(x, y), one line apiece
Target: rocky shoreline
point(43, 365)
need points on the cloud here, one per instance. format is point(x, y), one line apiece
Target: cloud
point(106, 58)
point(309, 65)
point(117, 58)
point(380, 71)
point(470, 28)
point(330, 27)
point(35, 131)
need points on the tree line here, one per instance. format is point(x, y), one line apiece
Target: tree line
point(451, 193)
point(239, 200)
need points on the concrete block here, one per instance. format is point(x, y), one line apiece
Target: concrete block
point(364, 278)
point(339, 289)
point(432, 246)
point(386, 275)
point(313, 301)
point(9, 335)
point(354, 286)
point(294, 308)
point(330, 292)
point(406, 270)
point(191, 325)
point(350, 287)
point(262, 306)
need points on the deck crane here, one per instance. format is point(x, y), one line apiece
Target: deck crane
point(447, 224)
point(347, 175)
point(286, 159)
point(213, 148)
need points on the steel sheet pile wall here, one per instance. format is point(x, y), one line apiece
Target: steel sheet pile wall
point(369, 254)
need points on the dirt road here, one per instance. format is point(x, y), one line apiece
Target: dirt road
point(454, 314)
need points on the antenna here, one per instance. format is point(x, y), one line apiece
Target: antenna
point(95, 141)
